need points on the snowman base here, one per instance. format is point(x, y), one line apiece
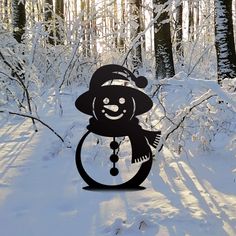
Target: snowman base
point(113, 188)
point(132, 184)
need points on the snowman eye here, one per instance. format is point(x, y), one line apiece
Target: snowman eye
point(106, 100)
point(121, 100)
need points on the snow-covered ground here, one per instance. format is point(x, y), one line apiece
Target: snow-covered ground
point(41, 192)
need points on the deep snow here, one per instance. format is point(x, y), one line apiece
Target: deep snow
point(41, 192)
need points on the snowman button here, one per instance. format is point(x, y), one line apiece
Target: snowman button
point(114, 158)
point(114, 171)
point(114, 145)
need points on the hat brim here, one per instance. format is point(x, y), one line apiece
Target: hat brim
point(84, 102)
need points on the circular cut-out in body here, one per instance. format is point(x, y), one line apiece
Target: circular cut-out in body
point(136, 178)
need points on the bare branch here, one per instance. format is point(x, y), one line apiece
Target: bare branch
point(23, 86)
point(35, 118)
point(185, 114)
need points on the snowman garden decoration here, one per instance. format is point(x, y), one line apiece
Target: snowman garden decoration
point(113, 109)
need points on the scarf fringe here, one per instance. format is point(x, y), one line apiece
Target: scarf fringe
point(153, 137)
point(141, 159)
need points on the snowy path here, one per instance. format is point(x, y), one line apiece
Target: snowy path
point(15, 137)
point(41, 191)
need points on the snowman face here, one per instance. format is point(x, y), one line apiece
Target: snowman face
point(113, 107)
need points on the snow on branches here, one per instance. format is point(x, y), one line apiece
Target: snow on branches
point(193, 110)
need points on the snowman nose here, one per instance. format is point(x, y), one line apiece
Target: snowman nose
point(113, 108)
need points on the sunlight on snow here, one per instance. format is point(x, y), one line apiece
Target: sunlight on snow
point(108, 210)
point(15, 136)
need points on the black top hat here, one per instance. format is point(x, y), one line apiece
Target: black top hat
point(110, 73)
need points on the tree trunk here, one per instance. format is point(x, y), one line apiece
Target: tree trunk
point(75, 15)
point(224, 40)
point(32, 12)
point(75, 9)
point(6, 17)
point(142, 27)
point(115, 24)
point(136, 11)
point(59, 9)
point(88, 29)
point(48, 10)
point(179, 30)
point(197, 11)
point(18, 19)
point(82, 8)
point(94, 29)
point(162, 43)
point(2, 11)
point(122, 36)
point(190, 20)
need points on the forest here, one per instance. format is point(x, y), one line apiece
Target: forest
point(49, 51)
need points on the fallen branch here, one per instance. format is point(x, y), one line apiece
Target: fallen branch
point(37, 119)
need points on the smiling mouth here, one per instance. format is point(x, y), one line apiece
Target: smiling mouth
point(114, 117)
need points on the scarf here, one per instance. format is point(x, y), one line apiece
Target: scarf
point(140, 139)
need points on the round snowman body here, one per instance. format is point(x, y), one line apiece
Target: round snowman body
point(105, 162)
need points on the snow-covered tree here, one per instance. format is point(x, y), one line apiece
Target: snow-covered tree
point(224, 40)
point(59, 10)
point(18, 19)
point(162, 40)
point(136, 11)
point(48, 12)
point(179, 30)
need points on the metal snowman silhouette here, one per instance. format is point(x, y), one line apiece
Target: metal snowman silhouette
point(114, 109)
